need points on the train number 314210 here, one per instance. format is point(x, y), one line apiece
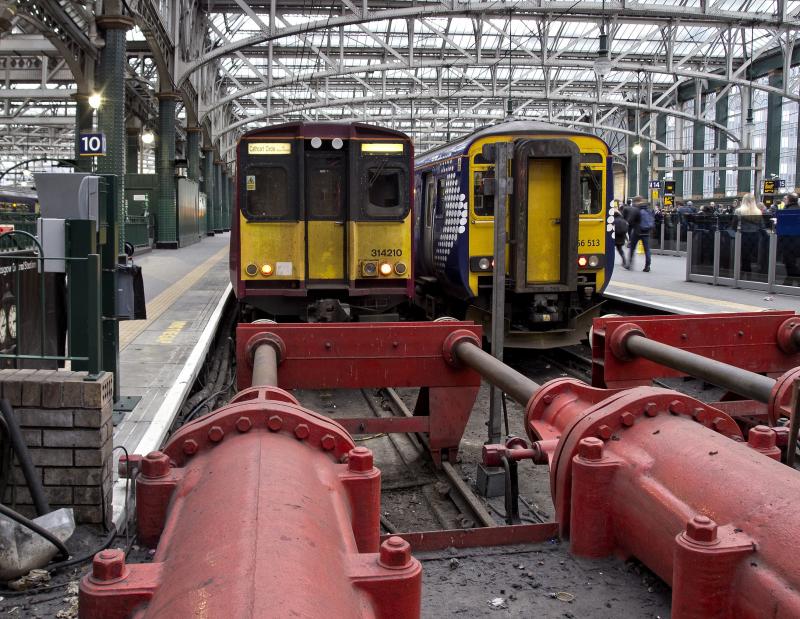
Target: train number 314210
point(377, 253)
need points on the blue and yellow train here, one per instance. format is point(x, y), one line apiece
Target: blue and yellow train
point(322, 225)
point(560, 251)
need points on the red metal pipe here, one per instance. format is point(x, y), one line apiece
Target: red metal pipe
point(258, 508)
point(657, 475)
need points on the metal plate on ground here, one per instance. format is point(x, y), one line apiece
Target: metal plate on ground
point(123, 406)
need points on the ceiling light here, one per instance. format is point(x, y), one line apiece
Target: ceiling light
point(148, 137)
point(95, 100)
point(637, 149)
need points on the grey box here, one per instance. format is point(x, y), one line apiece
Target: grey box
point(68, 195)
point(491, 481)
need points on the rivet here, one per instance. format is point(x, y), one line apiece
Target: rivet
point(740, 333)
point(547, 399)
point(190, 447)
point(328, 442)
point(395, 344)
point(328, 345)
point(302, 431)
point(243, 424)
point(275, 423)
point(684, 336)
point(216, 434)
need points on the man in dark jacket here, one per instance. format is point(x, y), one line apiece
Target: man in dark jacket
point(639, 226)
point(620, 235)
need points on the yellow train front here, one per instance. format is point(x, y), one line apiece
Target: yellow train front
point(322, 228)
point(560, 250)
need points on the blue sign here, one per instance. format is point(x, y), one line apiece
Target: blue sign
point(782, 183)
point(655, 184)
point(92, 145)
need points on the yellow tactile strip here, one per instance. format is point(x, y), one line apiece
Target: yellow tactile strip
point(688, 297)
point(129, 329)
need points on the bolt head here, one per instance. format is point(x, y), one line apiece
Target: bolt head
point(216, 434)
point(718, 423)
point(547, 399)
point(651, 409)
point(676, 407)
point(243, 424)
point(108, 564)
point(275, 423)
point(698, 413)
point(395, 553)
point(628, 419)
point(190, 446)
point(328, 442)
point(761, 437)
point(302, 431)
point(155, 464)
point(591, 448)
point(359, 460)
point(701, 529)
point(604, 432)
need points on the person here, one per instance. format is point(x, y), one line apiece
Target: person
point(620, 235)
point(750, 224)
point(628, 210)
point(639, 225)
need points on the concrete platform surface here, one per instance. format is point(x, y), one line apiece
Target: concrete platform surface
point(665, 287)
point(160, 357)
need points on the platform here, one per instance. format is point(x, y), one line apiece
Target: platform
point(160, 357)
point(665, 288)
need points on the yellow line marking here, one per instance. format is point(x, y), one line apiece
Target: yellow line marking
point(130, 329)
point(171, 332)
point(688, 297)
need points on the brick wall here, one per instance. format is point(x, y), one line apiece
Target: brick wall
point(66, 422)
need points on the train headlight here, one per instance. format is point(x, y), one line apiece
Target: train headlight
point(369, 269)
point(400, 268)
point(481, 264)
point(385, 269)
point(582, 261)
point(266, 270)
point(484, 264)
point(251, 269)
point(594, 261)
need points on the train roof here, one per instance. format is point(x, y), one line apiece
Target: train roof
point(504, 128)
point(305, 129)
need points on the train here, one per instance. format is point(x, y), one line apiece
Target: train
point(560, 253)
point(18, 200)
point(322, 226)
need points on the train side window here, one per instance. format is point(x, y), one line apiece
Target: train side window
point(441, 190)
point(267, 193)
point(482, 204)
point(386, 195)
point(591, 191)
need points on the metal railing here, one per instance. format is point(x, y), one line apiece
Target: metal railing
point(742, 252)
point(36, 316)
point(139, 230)
point(24, 222)
point(669, 235)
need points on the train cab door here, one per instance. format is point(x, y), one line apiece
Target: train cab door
point(544, 226)
point(326, 215)
point(428, 218)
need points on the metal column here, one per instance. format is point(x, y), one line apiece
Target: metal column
point(193, 152)
point(633, 160)
point(774, 121)
point(83, 123)
point(132, 150)
point(698, 144)
point(111, 114)
point(167, 218)
point(721, 118)
point(745, 159)
point(661, 136)
point(644, 162)
point(208, 187)
point(218, 196)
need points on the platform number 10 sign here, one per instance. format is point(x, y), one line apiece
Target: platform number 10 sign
point(92, 145)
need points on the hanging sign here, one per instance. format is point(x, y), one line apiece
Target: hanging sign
point(92, 145)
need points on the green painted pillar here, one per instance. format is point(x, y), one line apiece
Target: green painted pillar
point(644, 161)
point(661, 136)
point(218, 193)
point(166, 213)
point(132, 150)
point(193, 152)
point(83, 124)
point(208, 187)
point(698, 159)
point(721, 117)
point(633, 160)
point(743, 179)
point(677, 175)
point(231, 198)
point(772, 155)
point(111, 114)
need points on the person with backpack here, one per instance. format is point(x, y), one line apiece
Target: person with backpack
point(620, 235)
point(640, 224)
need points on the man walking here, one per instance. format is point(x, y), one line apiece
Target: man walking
point(640, 222)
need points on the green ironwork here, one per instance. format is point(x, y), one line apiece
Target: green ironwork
point(698, 160)
point(83, 123)
point(22, 222)
point(193, 152)
point(772, 155)
point(109, 257)
point(80, 241)
point(132, 150)
point(208, 187)
point(138, 230)
point(167, 230)
point(721, 143)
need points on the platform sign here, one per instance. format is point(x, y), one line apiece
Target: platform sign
point(769, 186)
point(669, 200)
point(669, 187)
point(782, 183)
point(655, 184)
point(92, 145)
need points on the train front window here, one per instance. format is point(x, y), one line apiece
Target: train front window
point(267, 193)
point(591, 191)
point(385, 195)
point(483, 204)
